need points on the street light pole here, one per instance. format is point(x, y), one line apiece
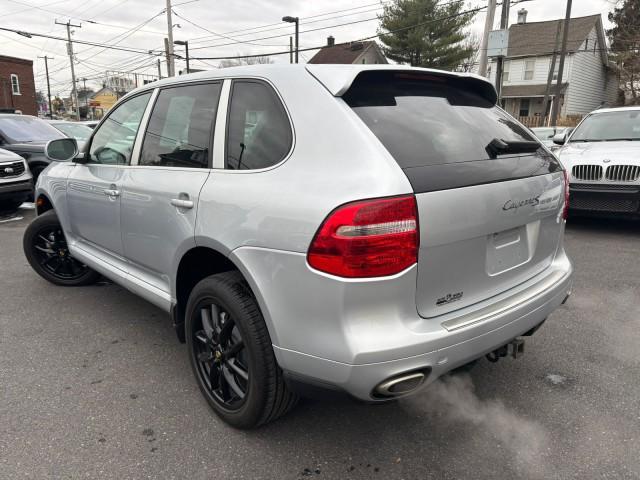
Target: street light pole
point(295, 20)
point(186, 48)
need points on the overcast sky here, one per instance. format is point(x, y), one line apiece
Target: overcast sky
point(196, 19)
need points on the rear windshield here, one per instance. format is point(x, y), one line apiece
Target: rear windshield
point(425, 119)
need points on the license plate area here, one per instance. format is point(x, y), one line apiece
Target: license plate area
point(508, 249)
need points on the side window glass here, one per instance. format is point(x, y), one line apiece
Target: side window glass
point(258, 133)
point(180, 127)
point(112, 143)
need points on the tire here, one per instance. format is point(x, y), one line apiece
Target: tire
point(234, 330)
point(46, 250)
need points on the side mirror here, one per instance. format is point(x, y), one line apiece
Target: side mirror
point(61, 149)
point(560, 138)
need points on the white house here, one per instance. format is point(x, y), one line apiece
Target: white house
point(589, 80)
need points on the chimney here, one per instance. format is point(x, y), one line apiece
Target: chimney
point(522, 16)
point(331, 41)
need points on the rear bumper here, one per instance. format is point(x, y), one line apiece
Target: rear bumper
point(622, 199)
point(353, 335)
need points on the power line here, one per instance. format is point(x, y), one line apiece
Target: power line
point(466, 12)
point(223, 35)
point(82, 42)
point(345, 24)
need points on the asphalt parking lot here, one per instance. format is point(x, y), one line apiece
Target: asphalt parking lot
point(94, 384)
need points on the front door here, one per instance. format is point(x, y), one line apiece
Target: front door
point(94, 188)
point(160, 194)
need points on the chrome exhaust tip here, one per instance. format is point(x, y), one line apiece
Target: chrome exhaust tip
point(400, 384)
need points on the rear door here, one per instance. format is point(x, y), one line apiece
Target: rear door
point(489, 200)
point(161, 192)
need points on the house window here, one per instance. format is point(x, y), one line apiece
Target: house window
point(15, 84)
point(364, 60)
point(586, 44)
point(529, 67)
point(524, 107)
point(505, 71)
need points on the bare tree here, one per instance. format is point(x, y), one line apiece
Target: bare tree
point(472, 44)
point(247, 60)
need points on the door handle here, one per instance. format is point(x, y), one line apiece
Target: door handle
point(111, 192)
point(181, 203)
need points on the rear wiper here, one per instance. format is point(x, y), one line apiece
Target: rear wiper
point(502, 147)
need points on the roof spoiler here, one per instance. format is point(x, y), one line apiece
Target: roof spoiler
point(338, 78)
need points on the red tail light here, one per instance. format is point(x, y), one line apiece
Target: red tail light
point(370, 238)
point(565, 211)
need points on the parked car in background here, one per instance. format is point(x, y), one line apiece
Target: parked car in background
point(89, 123)
point(362, 229)
point(27, 136)
point(75, 130)
point(602, 156)
point(16, 184)
point(546, 134)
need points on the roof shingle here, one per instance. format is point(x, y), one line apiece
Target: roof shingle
point(344, 53)
point(538, 38)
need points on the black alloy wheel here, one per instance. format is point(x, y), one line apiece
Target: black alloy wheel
point(46, 249)
point(221, 356)
point(231, 353)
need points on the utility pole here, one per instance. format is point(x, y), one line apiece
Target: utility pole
point(290, 49)
point(552, 69)
point(563, 53)
point(170, 60)
point(74, 93)
point(159, 71)
point(488, 25)
point(504, 23)
point(46, 69)
point(169, 54)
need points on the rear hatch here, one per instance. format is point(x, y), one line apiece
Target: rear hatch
point(489, 196)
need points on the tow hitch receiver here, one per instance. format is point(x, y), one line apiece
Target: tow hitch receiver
point(515, 348)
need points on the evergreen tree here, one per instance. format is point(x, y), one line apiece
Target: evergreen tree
point(425, 34)
point(625, 45)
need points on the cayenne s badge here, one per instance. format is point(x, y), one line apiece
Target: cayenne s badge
point(516, 204)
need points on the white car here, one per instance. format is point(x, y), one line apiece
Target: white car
point(16, 184)
point(602, 156)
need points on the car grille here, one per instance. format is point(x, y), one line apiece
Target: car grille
point(605, 187)
point(595, 204)
point(14, 169)
point(587, 172)
point(623, 173)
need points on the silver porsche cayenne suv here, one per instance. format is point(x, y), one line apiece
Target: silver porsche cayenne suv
point(357, 229)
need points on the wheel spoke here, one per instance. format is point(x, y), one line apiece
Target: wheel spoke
point(226, 329)
point(234, 350)
point(233, 384)
point(237, 369)
point(201, 336)
point(44, 250)
point(205, 314)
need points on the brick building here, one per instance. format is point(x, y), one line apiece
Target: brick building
point(17, 85)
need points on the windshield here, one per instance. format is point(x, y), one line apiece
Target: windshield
point(24, 129)
point(609, 126)
point(74, 130)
